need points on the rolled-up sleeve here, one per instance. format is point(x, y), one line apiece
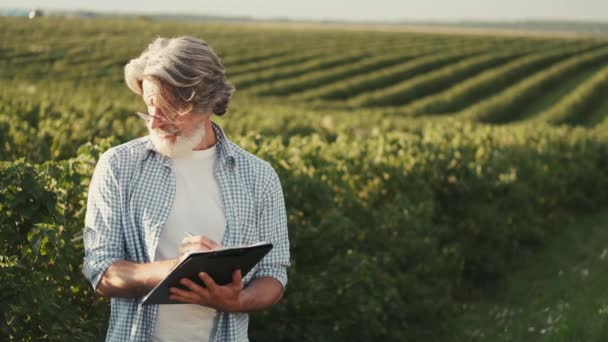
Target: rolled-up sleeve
point(273, 228)
point(103, 235)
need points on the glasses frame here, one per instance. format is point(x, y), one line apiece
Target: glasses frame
point(147, 118)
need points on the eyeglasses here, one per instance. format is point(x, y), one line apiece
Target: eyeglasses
point(147, 118)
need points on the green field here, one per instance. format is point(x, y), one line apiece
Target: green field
point(417, 167)
point(385, 76)
point(557, 294)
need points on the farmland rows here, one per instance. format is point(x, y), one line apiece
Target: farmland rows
point(35, 58)
point(486, 83)
point(431, 82)
point(411, 75)
point(294, 71)
point(319, 78)
point(281, 61)
point(245, 54)
point(286, 59)
point(575, 107)
point(323, 77)
point(503, 106)
point(554, 92)
point(388, 76)
point(339, 49)
point(599, 117)
point(440, 79)
point(381, 59)
point(260, 64)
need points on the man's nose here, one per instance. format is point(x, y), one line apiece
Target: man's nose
point(155, 122)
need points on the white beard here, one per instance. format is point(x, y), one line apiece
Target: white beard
point(182, 146)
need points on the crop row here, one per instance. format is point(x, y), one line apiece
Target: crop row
point(382, 58)
point(285, 65)
point(488, 82)
point(293, 71)
point(442, 78)
point(575, 107)
point(245, 54)
point(387, 76)
point(431, 82)
point(298, 53)
point(503, 107)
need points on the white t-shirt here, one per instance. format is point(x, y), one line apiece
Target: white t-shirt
point(198, 209)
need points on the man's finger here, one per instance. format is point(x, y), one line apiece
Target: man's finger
point(183, 249)
point(209, 282)
point(237, 279)
point(191, 239)
point(185, 294)
point(200, 240)
point(181, 299)
point(212, 244)
point(195, 288)
point(186, 243)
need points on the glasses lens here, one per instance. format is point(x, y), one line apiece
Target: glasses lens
point(147, 117)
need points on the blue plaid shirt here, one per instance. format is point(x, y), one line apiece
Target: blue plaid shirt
point(130, 196)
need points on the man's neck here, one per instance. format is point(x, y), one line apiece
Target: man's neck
point(209, 139)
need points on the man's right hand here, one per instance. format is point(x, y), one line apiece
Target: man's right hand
point(195, 244)
point(129, 279)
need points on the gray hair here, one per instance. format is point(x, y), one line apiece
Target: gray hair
point(186, 73)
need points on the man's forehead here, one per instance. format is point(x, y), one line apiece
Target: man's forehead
point(147, 88)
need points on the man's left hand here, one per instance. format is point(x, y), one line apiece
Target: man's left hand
point(225, 298)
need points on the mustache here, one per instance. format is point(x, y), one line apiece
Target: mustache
point(175, 131)
point(169, 130)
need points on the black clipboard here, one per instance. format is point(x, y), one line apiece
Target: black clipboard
point(218, 263)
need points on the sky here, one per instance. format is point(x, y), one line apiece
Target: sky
point(348, 10)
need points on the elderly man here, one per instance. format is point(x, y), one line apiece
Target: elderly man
point(184, 177)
